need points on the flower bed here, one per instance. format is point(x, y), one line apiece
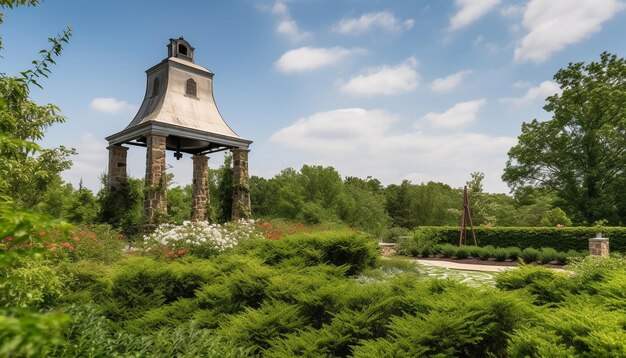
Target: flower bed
point(201, 238)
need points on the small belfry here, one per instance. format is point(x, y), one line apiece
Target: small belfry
point(178, 113)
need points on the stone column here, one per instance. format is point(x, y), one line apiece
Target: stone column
point(599, 246)
point(155, 204)
point(200, 192)
point(117, 176)
point(242, 208)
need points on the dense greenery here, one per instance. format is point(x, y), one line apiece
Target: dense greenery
point(309, 294)
point(545, 255)
point(560, 238)
point(579, 154)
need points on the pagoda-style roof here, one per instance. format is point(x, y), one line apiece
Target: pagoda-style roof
point(179, 103)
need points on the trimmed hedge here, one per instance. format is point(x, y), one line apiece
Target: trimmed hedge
point(561, 239)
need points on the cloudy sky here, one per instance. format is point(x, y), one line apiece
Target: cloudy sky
point(403, 89)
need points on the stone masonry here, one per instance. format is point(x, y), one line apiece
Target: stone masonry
point(200, 193)
point(599, 246)
point(155, 205)
point(117, 167)
point(242, 208)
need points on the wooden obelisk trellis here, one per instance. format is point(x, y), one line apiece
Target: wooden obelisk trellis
point(466, 217)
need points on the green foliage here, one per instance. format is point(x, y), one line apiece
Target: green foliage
point(501, 254)
point(547, 255)
point(447, 250)
point(577, 153)
point(254, 329)
point(530, 255)
point(29, 283)
point(29, 334)
point(462, 252)
point(546, 286)
point(122, 208)
point(352, 249)
point(221, 190)
point(178, 204)
point(26, 169)
point(561, 239)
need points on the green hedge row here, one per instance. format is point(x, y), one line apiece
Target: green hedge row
point(561, 239)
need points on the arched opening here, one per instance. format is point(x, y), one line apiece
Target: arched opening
point(182, 49)
point(190, 89)
point(155, 87)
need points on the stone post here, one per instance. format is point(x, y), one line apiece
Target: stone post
point(117, 176)
point(155, 204)
point(599, 246)
point(200, 192)
point(242, 208)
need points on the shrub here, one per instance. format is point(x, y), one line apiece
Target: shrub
point(546, 285)
point(474, 251)
point(501, 254)
point(486, 252)
point(514, 253)
point(342, 247)
point(448, 250)
point(29, 283)
point(426, 251)
point(562, 257)
point(547, 255)
point(254, 329)
point(462, 252)
point(561, 239)
point(530, 255)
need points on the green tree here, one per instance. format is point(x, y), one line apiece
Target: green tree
point(221, 190)
point(580, 153)
point(83, 206)
point(179, 203)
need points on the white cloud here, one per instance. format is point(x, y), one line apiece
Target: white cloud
point(289, 29)
point(449, 82)
point(363, 142)
point(280, 8)
point(512, 10)
point(543, 90)
point(554, 25)
point(335, 129)
point(312, 58)
point(385, 80)
point(287, 26)
point(521, 84)
point(470, 11)
point(383, 20)
point(110, 105)
point(457, 116)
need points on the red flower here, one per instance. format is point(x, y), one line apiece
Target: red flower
point(67, 245)
point(75, 238)
point(8, 239)
point(42, 233)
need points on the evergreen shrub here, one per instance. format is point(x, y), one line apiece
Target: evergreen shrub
point(530, 255)
point(561, 239)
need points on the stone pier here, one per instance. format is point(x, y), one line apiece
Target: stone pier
point(242, 208)
point(200, 192)
point(599, 247)
point(117, 176)
point(155, 204)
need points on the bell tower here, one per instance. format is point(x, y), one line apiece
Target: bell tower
point(179, 114)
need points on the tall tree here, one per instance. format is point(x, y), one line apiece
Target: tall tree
point(580, 153)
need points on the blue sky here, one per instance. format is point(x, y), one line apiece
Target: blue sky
point(406, 89)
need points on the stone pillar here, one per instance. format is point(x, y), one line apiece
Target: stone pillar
point(155, 204)
point(242, 208)
point(599, 246)
point(116, 176)
point(200, 190)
